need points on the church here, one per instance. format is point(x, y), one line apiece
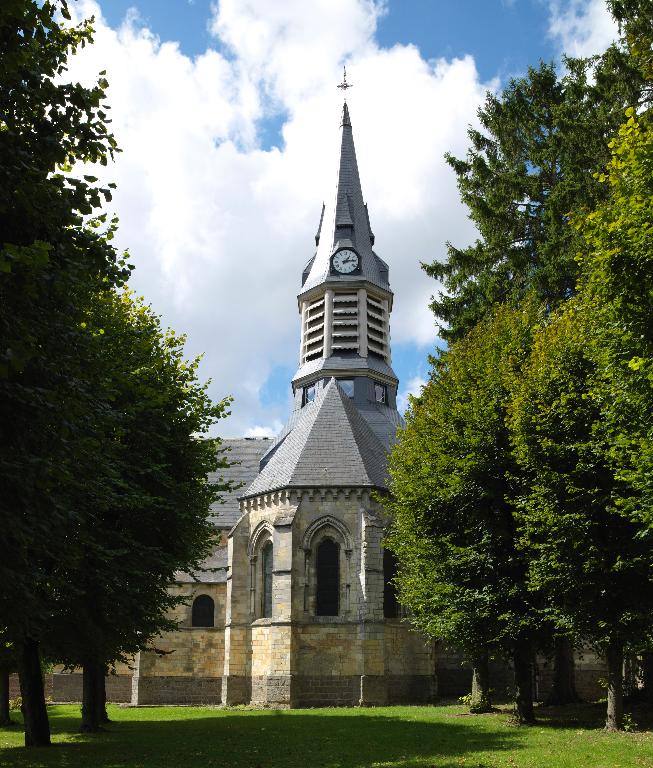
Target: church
point(298, 608)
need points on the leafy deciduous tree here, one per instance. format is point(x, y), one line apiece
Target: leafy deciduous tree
point(453, 483)
point(582, 425)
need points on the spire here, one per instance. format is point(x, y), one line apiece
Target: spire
point(351, 216)
point(319, 228)
point(346, 120)
point(345, 222)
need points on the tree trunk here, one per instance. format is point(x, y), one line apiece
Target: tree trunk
point(564, 683)
point(523, 661)
point(615, 713)
point(480, 700)
point(5, 717)
point(647, 677)
point(92, 695)
point(103, 715)
point(35, 713)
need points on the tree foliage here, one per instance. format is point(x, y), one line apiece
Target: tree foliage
point(582, 423)
point(528, 166)
point(453, 483)
point(103, 489)
point(150, 518)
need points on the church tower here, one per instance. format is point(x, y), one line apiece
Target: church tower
point(345, 303)
point(311, 617)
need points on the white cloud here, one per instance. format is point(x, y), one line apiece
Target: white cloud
point(264, 431)
point(582, 27)
point(219, 228)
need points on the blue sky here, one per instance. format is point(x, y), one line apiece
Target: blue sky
point(504, 36)
point(227, 114)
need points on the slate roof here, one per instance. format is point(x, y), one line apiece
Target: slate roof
point(218, 560)
point(343, 363)
point(244, 454)
point(345, 222)
point(330, 445)
point(383, 420)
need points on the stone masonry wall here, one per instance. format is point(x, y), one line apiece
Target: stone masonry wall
point(187, 665)
point(455, 676)
point(296, 658)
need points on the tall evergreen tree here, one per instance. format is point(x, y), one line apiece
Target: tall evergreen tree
point(530, 164)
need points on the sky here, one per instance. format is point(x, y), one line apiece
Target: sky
point(227, 115)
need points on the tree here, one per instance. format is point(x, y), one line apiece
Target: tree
point(102, 469)
point(50, 266)
point(582, 425)
point(7, 665)
point(453, 485)
point(530, 164)
point(152, 518)
point(592, 563)
point(635, 19)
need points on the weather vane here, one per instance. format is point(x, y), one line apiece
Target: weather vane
point(344, 85)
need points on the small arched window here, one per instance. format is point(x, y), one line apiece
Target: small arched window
point(390, 605)
point(203, 614)
point(267, 557)
point(328, 578)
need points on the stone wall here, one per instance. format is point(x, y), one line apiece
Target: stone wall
point(294, 657)
point(455, 676)
point(168, 689)
point(185, 666)
point(67, 686)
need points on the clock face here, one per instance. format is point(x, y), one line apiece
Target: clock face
point(345, 261)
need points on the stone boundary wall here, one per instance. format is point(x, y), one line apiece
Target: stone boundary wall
point(455, 678)
point(326, 691)
point(67, 686)
point(412, 689)
point(14, 686)
point(341, 690)
point(176, 690)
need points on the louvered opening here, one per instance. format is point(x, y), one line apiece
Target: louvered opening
point(313, 330)
point(344, 337)
point(377, 329)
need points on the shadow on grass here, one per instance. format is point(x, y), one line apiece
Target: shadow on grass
point(591, 716)
point(269, 739)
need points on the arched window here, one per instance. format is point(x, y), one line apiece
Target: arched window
point(266, 564)
point(203, 612)
point(390, 605)
point(328, 578)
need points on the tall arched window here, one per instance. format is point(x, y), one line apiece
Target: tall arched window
point(266, 581)
point(390, 605)
point(203, 613)
point(328, 578)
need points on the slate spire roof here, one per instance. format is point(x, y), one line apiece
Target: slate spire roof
point(331, 444)
point(345, 222)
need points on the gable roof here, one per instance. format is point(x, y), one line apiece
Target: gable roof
point(330, 445)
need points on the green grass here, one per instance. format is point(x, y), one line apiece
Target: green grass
point(392, 737)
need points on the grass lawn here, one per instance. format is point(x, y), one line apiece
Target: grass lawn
point(392, 737)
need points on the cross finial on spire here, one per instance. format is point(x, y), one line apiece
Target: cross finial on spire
point(344, 85)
